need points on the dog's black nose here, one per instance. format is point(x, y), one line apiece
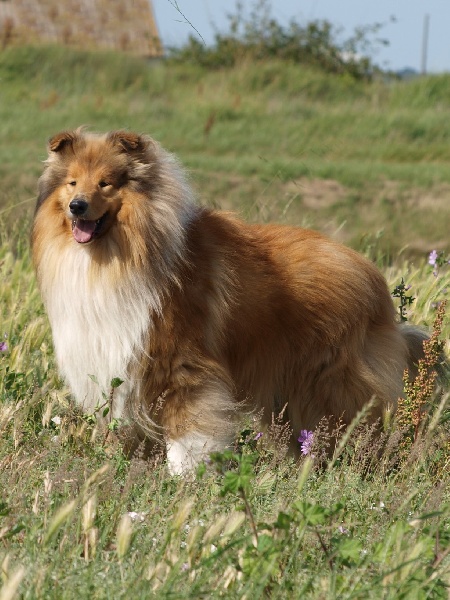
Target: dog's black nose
point(78, 207)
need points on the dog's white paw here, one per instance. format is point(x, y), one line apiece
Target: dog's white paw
point(186, 452)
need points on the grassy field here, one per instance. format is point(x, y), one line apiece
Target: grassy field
point(364, 162)
point(272, 141)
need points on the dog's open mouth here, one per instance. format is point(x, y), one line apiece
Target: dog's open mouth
point(85, 231)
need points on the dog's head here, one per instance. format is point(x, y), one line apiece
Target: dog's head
point(89, 177)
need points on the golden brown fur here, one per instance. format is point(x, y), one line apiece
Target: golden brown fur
point(203, 315)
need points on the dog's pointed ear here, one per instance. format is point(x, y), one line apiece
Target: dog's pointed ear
point(62, 141)
point(129, 142)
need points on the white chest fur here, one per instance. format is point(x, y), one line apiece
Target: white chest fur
point(98, 326)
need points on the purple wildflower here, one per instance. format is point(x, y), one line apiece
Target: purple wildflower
point(305, 440)
point(3, 347)
point(258, 436)
point(433, 258)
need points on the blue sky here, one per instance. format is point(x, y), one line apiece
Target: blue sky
point(404, 35)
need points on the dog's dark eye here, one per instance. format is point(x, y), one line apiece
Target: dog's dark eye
point(72, 183)
point(103, 184)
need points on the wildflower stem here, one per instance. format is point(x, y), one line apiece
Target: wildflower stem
point(174, 3)
point(249, 513)
point(324, 548)
point(110, 403)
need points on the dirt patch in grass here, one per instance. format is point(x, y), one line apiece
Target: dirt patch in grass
point(317, 193)
point(437, 199)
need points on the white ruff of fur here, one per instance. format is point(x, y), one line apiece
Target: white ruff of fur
point(98, 329)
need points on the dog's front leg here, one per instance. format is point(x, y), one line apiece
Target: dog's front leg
point(197, 422)
point(186, 452)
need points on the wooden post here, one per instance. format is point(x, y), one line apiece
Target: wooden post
point(426, 29)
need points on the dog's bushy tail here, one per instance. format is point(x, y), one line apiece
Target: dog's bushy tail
point(414, 338)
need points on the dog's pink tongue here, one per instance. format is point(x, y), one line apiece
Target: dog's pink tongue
point(83, 231)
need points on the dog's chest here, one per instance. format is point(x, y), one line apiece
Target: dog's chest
point(98, 327)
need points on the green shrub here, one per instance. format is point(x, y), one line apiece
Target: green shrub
point(260, 37)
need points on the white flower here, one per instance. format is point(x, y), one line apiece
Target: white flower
point(56, 420)
point(137, 516)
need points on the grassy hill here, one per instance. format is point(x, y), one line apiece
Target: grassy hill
point(260, 139)
point(366, 162)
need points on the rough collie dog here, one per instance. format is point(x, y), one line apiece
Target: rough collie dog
point(201, 315)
